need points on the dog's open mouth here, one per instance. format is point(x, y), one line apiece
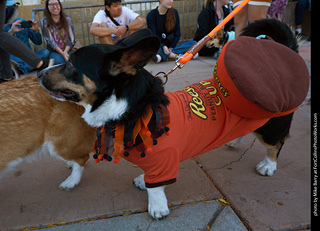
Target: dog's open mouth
point(65, 95)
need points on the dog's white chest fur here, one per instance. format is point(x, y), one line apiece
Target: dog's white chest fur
point(111, 109)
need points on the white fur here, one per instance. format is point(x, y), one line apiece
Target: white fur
point(45, 149)
point(158, 204)
point(139, 182)
point(76, 174)
point(266, 167)
point(75, 177)
point(111, 109)
point(36, 155)
point(234, 143)
point(11, 166)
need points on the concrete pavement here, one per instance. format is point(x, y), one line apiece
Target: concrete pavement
point(106, 199)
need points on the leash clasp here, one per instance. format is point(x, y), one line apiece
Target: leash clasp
point(165, 75)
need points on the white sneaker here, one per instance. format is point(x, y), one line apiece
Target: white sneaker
point(157, 58)
point(196, 56)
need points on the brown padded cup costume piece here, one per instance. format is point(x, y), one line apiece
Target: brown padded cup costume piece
point(260, 78)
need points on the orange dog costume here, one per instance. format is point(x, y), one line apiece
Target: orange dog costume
point(254, 80)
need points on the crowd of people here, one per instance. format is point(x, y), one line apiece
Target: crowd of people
point(117, 21)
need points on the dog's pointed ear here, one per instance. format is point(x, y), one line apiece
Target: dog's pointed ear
point(135, 52)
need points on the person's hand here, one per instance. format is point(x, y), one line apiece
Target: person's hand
point(65, 56)
point(15, 28)
point(121, 30)
point(34, 26)
point(167, 50)
point(115, 30)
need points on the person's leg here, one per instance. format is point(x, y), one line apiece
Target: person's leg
point(164, 56)
point(14, 46)
point(282, 7)
point(241, 20)
point(43, 53)
point(183, 47)
point(105, 39)
point(257, 12)
point(273, 9)
point(23, 66)
point(26, 68)
point(5, 65)
point(299, 14)
point(58, 59)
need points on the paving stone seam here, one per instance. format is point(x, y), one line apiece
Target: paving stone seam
point(215, 216)
point(244, 222)
point(240, 158)
point(105, 217)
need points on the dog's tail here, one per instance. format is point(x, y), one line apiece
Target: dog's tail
point(274, 30)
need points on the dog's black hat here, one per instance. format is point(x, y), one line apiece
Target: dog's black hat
point(137, 37)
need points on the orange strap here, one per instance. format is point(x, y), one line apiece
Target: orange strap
point(118, 143)
point(197, 47)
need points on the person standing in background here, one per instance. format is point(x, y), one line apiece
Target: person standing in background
point(24, 34)
point(277, 8)
point(11, 45)
point(254, 10)
point(301, 6)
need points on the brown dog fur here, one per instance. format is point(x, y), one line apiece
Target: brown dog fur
point(216, 40)
point(30, 117)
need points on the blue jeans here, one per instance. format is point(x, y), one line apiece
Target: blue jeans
point(58, 59)
point(179, 49)
point(26, 68)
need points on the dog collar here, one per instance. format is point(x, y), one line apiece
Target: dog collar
point(117, 140)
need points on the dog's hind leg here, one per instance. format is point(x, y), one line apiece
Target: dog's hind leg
point(273, 135)
point(75, 177)
point(77, 166)
point(75, 162)
point(267, 166)
point(234, 143)
point(139, 182)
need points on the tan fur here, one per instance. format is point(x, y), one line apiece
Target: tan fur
point(85, 92)
point(215, 40)
point(272, 150)
point(29, 117)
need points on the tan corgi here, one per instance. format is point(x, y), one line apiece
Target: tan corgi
point(32, 124)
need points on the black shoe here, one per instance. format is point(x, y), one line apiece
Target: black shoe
point(45, 64)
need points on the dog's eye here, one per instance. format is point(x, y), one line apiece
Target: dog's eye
point(70, 64)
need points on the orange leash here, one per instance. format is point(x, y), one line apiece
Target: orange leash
point(180, 63)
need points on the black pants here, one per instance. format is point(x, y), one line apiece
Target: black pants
point(299, 11)
point(11, 45)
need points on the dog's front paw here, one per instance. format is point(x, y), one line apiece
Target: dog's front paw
point(139, 182)
point(158, 211)
point(158, 204)
point(266, 167)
